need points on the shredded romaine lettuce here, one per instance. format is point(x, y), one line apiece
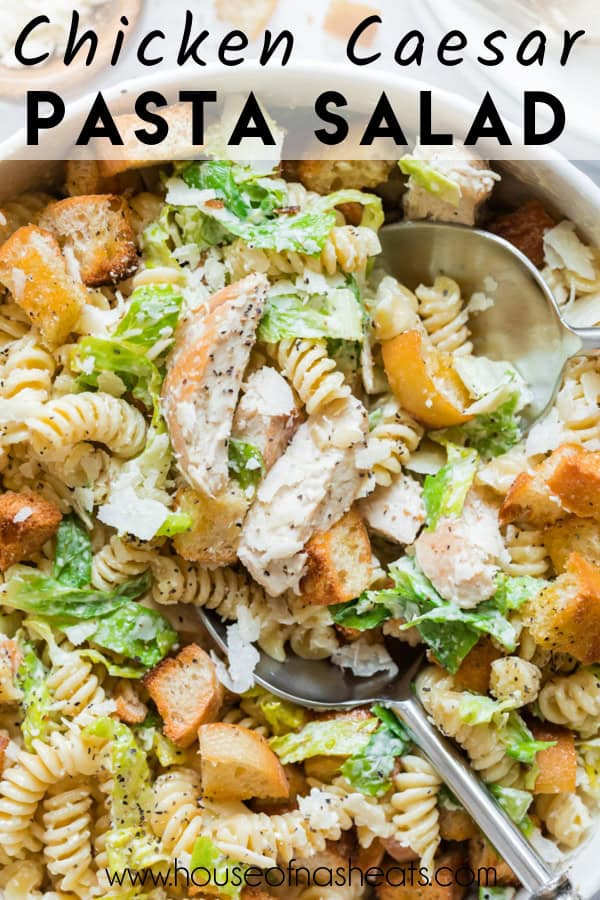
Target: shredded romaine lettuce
point(151, 317)
point(432, 180)
point(328, 737)
point(280, 715)
point(444, 493)
point(490, 434)
point(519, 741)
point(246, 465)
point(227, 873)
point(295, 310)
point(369, 770)
point(73, 554)
point(515, 804)
point(36, 700)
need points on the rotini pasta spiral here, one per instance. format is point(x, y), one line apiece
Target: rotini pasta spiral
point(119, 561)
point(20, 879)
point(176, 816)
point(24, 784)
point(87, 417)
point(313, 374)
point(26, 377)
point(565, 816)
point(574, 701)
point(392, 440)
point(67, 838)
point(445, 320)
point(516, 679)
point(22, 210)
point(14, 324)
point(414, 802)
point(578, 403)
point(238, 716)
point(370, 815)
point(527, 551)
point(77, 691)
point(439, 697)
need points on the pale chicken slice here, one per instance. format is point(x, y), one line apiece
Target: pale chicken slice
point(308, 489)
point(204, 378)
point(267, 415)
point(395, 511)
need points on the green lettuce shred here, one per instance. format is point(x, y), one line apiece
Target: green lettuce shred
point(431, 179)
point(216, 868)
point(246, 465)
point(445, 492)
point(369, 770)
point(36, 700)
point(281, 716)
point(325, 737)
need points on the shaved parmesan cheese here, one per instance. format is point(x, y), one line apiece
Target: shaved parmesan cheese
point(19, 279)
point(546, 435)
point(364, 659)
point(564, 250)
point(242, 654)
point(179, 194)
point(23, 514)
point(79, 633)
point(130, 514)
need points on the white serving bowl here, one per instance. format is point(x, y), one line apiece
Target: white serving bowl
point(554, 180)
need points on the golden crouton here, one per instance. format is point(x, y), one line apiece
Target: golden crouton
point(130, 708)
point(572, 535)
point(456, 825)
point(27, 521)
point(406, 884)
point(97, 229)
point(483, 856)
point(327, 175)
point(251, 16)
point(565, 616)
point(186, 691)
point(83, 177)
point(25, 209)
point(4, 741)
point(217, 525)
point(574, 478)
point(475, 669)
point(298, 786)
point(339, 563)
point(35, 272)
point(237, 763)
point(557, 765)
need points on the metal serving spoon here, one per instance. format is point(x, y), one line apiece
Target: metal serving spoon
point(524, 325)
point(321, 685)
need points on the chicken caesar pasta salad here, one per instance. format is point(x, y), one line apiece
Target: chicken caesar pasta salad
point(213, 395)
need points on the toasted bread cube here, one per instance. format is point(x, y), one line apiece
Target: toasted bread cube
point(27, 521)
point(35, 272)
point(83, 177)
point(252, 16)
point(252, 893)
point(483, 856)
point(575, 480)
point(130, 708)
point(186, 691)
point(407, 886)
point(217, 525)
point(475, 669)
point(339, 563)
point(456, 825)
point(297, 787)
point(557, 765)
point(97, 229)
point(572, 535)
point(237, 763)
point(565, 616)
point(525, 229)
point(327, 175)
point(529, 501)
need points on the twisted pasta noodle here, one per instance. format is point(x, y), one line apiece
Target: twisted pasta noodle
point(578, 403)
point(84, 465)
point(25, 783)
point(487, 753)
point(67, 838)
point(157, 275)
point(313, 635)
point(445, 320)
point(395, 436)
point(414, 803)
point(14, 324)
point(176, 816)
point(119, 561)
point(574, 701)
point(368, 814)
point(77, 691)
point(145, 208)
point(19, 880)
point(31, 476)
point(516, 679)
point(26, 377)
point(22, 210)
point(565, 816)
point(500, 472)
point(237, 715)
point(313, 374)
point(262, 840)
point(101, 827)
point(349, 247)
point(527, 551)
point(87, 417)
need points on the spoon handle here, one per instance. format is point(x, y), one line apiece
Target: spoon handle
point(533, 873)
point(590, 340)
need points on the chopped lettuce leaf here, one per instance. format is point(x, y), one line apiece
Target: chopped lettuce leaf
point(519, 741)
point(158, 239)
point(490, 434)
point(151, 317)
point(281, 716)
point(293, 310)
point(447, 800)
point(36, 700)
point(73, 555)
point(432, 180)
point(496, 893)
point(444, 493)
point(117, 670)
point(135, 632)
point(227, 873)
point(369, 770)
point(515, 803)
point(326, 737)
point(129, 843)
point(449, 631)
point(175, 523)
point(477, 709)
point(246, 465)
point(94, 356)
